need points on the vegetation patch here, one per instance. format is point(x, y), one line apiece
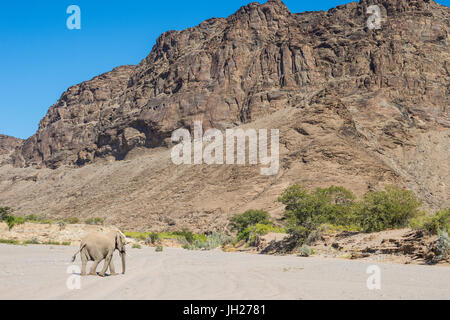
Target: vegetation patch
point(392, 208)
point(11, 242)
point(184, 236)
point(305, 251)
point(6, 215)
point(32, 241)
point(213, 241)
point(308, 213)
point(440, 221)
point(251, 225)
point(442, 247)
point(95, 221)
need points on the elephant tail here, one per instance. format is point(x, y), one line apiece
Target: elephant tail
point(75, 255)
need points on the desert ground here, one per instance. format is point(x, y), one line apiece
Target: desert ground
point(42, 272)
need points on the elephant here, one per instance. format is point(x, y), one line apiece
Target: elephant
point(101, 246)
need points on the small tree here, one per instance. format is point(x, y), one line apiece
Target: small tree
point(391, 208)
point(306, 211)
point(5, 212)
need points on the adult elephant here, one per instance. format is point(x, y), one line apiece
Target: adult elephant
point(101, 246)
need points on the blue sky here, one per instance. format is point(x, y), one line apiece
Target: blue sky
point(40, 58)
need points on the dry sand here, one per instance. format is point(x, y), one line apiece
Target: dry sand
point(40, 272)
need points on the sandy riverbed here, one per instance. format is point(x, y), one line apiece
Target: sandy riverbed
point(40, 272)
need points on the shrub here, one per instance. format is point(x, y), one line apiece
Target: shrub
point(306, 211)
point(62, 224)
point(66, 243)
point(213, 241)
point(252, 233)
point(305, 251)
point(391, 208)
point(12, 221)
point(154, 238)
point(6, 215)
point(442, 249)
point(5, 241)
point(32, 218)
point(332, 205)
point(52, 243)
point(336, 207)
point(159, 249)
point(249, 218)
point(73, 220)
point(433, 224)
point(33, 240)
point(95, 221)
point(141, 236)
point(5, 212)
point(137, 246)
point(188, 235)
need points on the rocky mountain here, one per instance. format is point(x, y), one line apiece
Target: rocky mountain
point(355, 106)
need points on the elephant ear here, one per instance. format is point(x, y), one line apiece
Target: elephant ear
point(120, 244)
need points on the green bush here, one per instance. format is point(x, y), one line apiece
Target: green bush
point(433, 224)
point(5, 241)
point(141, 236)
point(62, 224)
point(252, 233)
point(12, 221)
point(188, 235)
point(73, 220)
point(213, 241)
point(52, 243)
point(154, 238)
point(249, 218)
point(95, 221)
point(305, 251)
point(6, 215)
point(137, 246)
point(32, 218)
point(32, 241)
point(159, 249)
point(442, 249)
point(5, 212)
point(306, 211)
point(389, 209)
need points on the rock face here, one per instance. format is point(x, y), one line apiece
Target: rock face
point(364, 103)
point(263, 58)
point(7, 147)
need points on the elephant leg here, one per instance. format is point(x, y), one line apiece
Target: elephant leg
point(112, 271)
point(105, 267)
point(94, 268)
point(83, 264)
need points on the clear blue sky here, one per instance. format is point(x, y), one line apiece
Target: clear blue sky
point(40, 58)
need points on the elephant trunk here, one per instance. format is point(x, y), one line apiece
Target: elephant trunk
point(123, 262)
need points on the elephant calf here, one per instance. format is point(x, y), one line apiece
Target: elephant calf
point(97, 247)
